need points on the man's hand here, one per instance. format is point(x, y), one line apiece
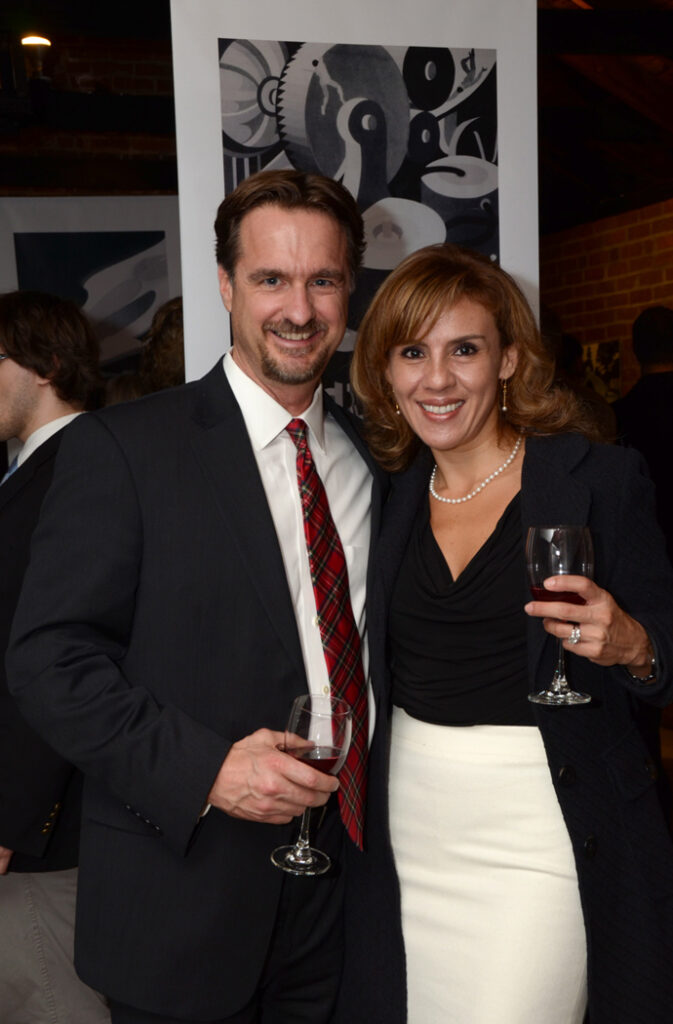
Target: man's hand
point(5, 857)
point(259, 782)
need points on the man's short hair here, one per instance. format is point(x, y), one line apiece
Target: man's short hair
point(291, 190)
point(51, 337)
point(652, 334)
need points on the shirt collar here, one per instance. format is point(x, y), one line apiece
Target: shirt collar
point(42, 434)
point(264, 417)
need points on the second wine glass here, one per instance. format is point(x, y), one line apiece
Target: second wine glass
point(318, 732)
point(558, 551)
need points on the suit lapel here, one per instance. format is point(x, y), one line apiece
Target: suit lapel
point(379, 483)
point(25, 473)
point(407, 491)
point(551, 494)
point(222, 449)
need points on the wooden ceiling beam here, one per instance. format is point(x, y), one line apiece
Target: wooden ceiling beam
point(643, 84)
point(614, 32)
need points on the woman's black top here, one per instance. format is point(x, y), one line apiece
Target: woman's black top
point(459, 646)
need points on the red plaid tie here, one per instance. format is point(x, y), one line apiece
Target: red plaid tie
point(338, 632)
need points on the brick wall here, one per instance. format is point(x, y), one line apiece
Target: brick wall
point(86, 64)
point(66, 151)
point(597, 277)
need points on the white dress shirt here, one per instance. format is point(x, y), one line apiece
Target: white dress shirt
point(42, 434)
point(348, 485)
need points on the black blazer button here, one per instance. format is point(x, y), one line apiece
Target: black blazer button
point(590, 846)
point(651, 770)
point(567, 775)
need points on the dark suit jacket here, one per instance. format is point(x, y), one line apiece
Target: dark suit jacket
point(602, 771)
point(155, 629)
point(39, 790)
point(645, 421)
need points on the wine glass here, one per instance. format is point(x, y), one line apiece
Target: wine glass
point(318, 732)
point(558, 551)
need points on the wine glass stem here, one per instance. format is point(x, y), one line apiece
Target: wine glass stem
point(560, 682)
point(302, 847)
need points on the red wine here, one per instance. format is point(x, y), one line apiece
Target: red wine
point(325, 759)
point(540, 594)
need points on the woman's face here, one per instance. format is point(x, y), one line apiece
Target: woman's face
point(446, 380)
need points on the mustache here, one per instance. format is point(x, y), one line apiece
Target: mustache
point(312, 326)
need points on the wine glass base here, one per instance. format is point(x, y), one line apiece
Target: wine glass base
point(303, 862)
point(559, 698)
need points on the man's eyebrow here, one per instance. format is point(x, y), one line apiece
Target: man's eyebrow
point(263, 272)
point(331, 272)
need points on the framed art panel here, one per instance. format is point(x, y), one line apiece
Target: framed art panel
point(117, 257)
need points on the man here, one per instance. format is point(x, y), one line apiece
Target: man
point(48, 375)
point(168, 622)
point(645, 414)
point(645, 421)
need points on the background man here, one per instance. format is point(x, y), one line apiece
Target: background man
point(171, 614)
point(645, 414)
point(645, 421)
point(48, 375)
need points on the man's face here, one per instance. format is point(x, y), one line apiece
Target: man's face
point(19, 399)
point(288, 300)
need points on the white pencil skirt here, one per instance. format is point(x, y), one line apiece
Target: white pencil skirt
point(491, 913)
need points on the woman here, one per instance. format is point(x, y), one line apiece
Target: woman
point(535, 867)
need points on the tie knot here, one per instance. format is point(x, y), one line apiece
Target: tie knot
point(297, 430)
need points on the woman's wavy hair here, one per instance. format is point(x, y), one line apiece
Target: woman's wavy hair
point(411, 300)
point(162, 360)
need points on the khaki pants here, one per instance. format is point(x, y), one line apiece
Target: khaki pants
point(38, 984)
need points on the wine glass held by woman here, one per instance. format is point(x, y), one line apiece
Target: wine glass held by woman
point(521, 834)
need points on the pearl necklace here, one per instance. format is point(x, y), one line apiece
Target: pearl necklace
point(484, 483)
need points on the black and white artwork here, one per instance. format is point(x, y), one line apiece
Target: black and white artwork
point(411, 131)
point(118, 278)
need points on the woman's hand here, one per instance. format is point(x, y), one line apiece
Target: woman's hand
point(607, 635)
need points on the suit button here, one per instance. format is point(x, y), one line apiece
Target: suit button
point(651, 770)
point(567, 775)
point(590, 846)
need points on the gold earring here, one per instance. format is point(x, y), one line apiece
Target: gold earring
point(397, 409)
point(503, 403)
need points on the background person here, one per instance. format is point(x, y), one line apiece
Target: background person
point(645, 414)
point(162, 359)
point(48, 376)
point(529, 841)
